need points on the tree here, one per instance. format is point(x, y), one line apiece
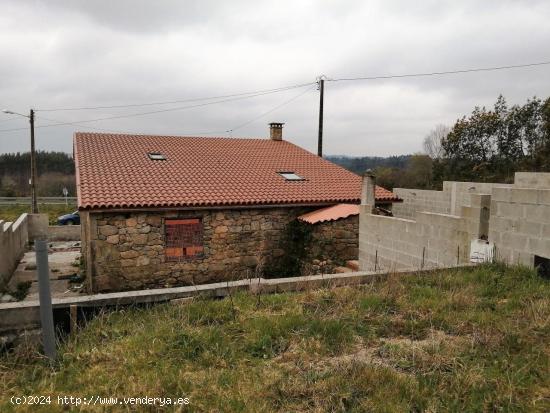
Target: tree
point(432, 142)
point(490, 145)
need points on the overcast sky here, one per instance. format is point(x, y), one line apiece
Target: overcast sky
point(63, 54)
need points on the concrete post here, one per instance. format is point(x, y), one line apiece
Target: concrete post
point(367, 190)
point(44, 295)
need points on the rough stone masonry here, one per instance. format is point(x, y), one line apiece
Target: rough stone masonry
point(129, 251)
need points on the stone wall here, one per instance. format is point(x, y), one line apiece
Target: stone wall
point(128, 250)
point(335, 240)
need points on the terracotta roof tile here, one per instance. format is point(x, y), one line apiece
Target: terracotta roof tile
point(331, 213)
point(115, 171)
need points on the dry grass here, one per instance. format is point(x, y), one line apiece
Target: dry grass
point(469, 340)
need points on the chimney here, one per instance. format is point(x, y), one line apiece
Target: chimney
point(276, 131)
point(367, 190)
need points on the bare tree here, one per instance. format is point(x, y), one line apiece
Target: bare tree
point(432, 142)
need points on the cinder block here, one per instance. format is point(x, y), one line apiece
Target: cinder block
point(544, 196)
point(532, 229)
point(539, 246)
point(515, 241)
point(525, 196)
point(501, 194)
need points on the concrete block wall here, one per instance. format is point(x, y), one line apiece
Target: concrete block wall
point(513, 217)
point(532, 180)
point(450, 200)
point(13, 240)
point(432, 240)
point(520, 220)
point(420, 200)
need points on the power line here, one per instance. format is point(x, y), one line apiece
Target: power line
point(270, 111)
point(7, 120)
point(280, 89)
point(154, 111)
point(449, 72)
point(57, 122)
point(247, 95)
point(286, 102)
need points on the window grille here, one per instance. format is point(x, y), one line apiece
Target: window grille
point(184, 239)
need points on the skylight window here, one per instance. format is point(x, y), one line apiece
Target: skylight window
point(291, 176)
point(156, 156)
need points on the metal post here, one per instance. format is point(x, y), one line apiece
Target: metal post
point(46, 312)
point(34, 203)
point(321, 103)
point(457, 255)
point(376, 260)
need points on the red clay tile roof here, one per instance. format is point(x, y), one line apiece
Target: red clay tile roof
point(114, 171)
point(331, 213)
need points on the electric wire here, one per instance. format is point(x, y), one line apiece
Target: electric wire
point(168, 102)
point(448, 72)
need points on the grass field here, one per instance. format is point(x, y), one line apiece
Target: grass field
point(12, 212)
point(463, 340)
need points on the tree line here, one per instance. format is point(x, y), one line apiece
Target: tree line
point(55, 170)
point(491, 144)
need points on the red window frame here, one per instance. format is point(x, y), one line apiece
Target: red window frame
point(183, 238)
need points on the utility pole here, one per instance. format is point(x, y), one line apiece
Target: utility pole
point(321, 99)
point(34, 203)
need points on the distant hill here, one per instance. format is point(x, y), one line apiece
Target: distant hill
point(360, 164)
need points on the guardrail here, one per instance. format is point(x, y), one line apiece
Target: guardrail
point(26, 200)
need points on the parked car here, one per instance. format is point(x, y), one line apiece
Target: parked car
point(69, 219)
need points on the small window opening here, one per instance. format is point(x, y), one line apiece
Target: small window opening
point(291, 176)
point(156, 156)
point(543, 266)
point(184, 239)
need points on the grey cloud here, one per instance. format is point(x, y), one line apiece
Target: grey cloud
point(85, 53)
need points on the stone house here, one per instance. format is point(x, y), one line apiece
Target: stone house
point(161, 211)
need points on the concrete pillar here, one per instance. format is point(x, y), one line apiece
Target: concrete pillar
point(367, 190)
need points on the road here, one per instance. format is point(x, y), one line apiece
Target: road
point(52, 200)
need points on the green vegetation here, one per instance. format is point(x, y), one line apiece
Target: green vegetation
point(489, 145)
point(55, 171)
point(12, 212)
point(462, 340)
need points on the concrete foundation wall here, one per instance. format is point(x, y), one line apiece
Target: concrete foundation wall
point(13, 240)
